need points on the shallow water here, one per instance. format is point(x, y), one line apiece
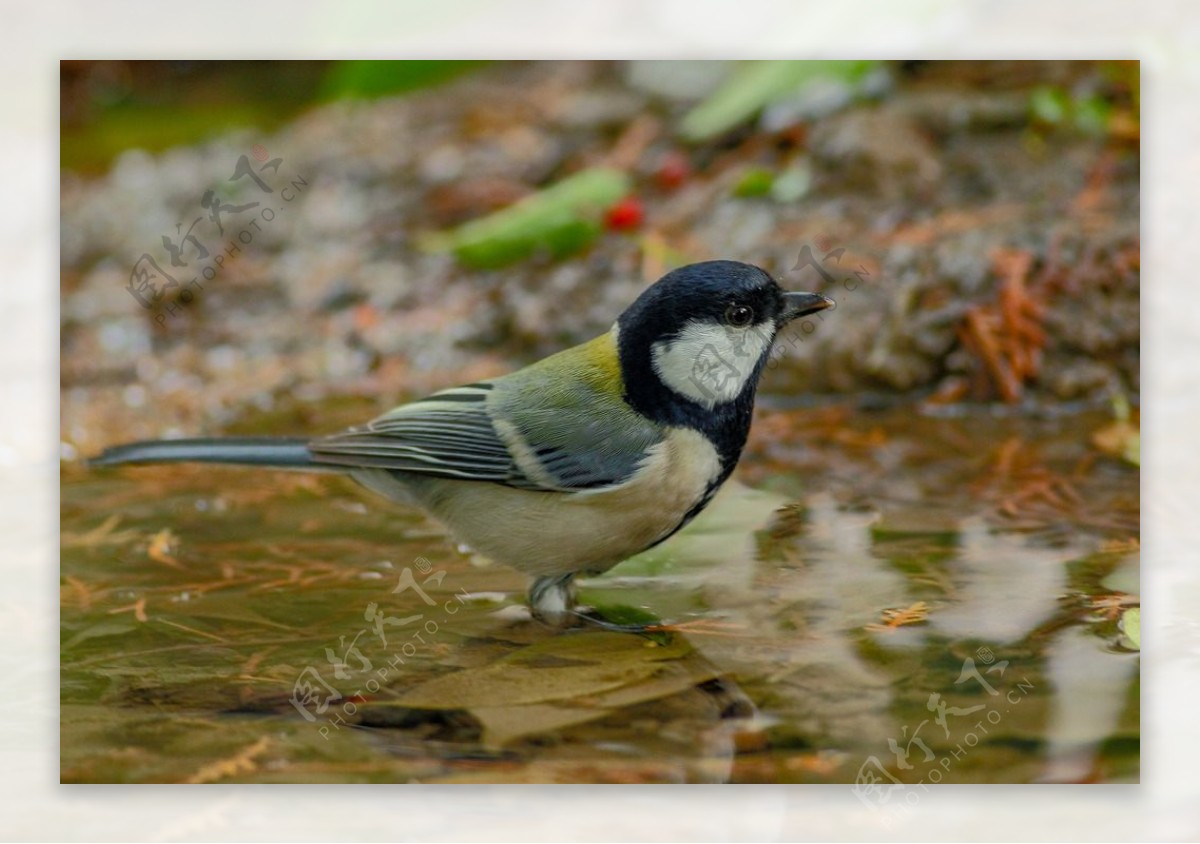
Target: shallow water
point(884, 598)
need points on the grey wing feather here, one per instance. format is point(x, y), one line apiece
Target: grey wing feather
point(517, 439)
point(443, 435)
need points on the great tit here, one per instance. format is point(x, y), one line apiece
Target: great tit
point(575, 462)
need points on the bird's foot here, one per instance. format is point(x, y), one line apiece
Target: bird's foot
point(552, 600)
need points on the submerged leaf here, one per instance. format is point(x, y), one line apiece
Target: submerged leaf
point(95, 631)
point(104, 534)
point(242, 762)
point(1131, 626)
point(558, 669)
point(893, 618)
point(505, 724)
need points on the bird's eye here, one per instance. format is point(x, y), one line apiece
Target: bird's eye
point(739, 316)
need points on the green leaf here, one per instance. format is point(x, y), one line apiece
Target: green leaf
point(561, 219)
point(1131, 626)
point(792, 184)
point(1126, 577)
point(1049, 104)
point(756, 181)
point(367, 79)
point(757, 84)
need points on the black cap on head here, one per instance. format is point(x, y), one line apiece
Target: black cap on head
point(703, 292)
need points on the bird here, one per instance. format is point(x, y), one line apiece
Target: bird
point(578, 461)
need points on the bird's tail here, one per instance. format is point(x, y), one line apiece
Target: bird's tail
point(278, 452)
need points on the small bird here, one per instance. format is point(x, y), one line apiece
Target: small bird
point(577, 461)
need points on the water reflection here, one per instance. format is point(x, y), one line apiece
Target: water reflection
point(1091, 688)
point(1005, 584)
point(817, 632)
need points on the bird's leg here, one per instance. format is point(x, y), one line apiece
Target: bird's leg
point(552, 599)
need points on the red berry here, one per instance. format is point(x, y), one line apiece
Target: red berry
point(673, 171)
point(625, 215)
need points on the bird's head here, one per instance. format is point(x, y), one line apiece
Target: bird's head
point(702, 334)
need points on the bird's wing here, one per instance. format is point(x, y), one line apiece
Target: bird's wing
point(448, 434)
point(512, 433)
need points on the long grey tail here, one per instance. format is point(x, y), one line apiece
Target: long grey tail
point(279, 452)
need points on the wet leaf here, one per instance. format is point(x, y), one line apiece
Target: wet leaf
point(505, 724)
point(1126, 577)
point(1131, 626)
point(565, 667)
point(893, 618)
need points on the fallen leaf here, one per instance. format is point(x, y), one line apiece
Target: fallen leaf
point(505, 724)
point(1131, 626)
point(758, 83)
point(561, 669)
point(561, 219)
point(893, 618)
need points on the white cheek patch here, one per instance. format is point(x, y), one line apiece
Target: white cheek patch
point(709, 363)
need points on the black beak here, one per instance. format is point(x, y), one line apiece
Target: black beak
point(802, 304)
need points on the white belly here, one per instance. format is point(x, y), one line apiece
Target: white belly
point(545, 533)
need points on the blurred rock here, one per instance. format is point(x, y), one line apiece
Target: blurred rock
point(877, 150)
